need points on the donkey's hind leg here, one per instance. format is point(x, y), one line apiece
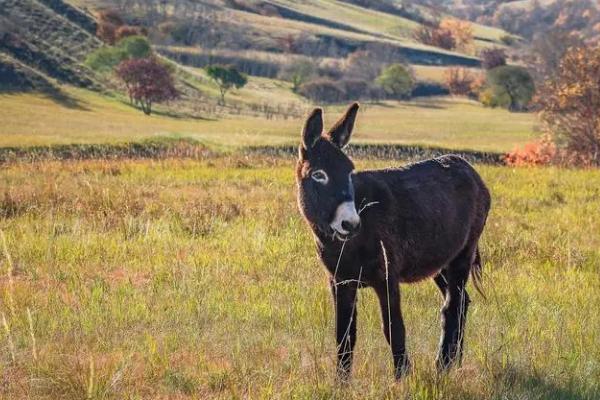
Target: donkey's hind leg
point(452, 282)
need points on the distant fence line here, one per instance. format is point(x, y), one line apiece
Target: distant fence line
point(186, 148)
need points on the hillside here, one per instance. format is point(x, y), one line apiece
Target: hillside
point(43, 42)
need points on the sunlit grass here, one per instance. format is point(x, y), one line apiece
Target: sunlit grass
point(32, 119)
point(198, 279)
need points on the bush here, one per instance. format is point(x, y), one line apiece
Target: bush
point(108, 23)
point(105, 59)
point(127, 30)
point(435, 36)
point(508, 40)
point(459, 81)
point(491, 97)
point(461, 32)
point(539, 152)
point(570, 105)
point(396, 81)
point(362, 64)
point(297, 73)
point(357, 89)
point(322, 90)
point(493, 58)
point(511, 82)
point(135, 46)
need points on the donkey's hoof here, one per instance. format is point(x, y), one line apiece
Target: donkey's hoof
point(443, 363)
point(403, 369)
point(343, 376)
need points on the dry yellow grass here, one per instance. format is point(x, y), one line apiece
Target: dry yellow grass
point(31, 119)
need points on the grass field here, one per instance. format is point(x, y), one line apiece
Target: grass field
point(182, 279)
point(31, 119)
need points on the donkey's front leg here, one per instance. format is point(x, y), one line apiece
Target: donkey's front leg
point(344, 298)
point(393, 326)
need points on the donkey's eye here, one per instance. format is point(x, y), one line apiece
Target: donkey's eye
point(320, 176)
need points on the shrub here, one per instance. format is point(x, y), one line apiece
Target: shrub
point(106, 58)
point(459, 81)
point(491, 97)
point(322, 90)
point(127, 30)
point(148, 81)
point(514, 82)
point(297, 73)
point(508, 40)
point(135, 46)
point(493, 58)
point(396, 81)
point(108, 23)
point(226, 77)
point(570, 105)
point(435, 36)
point(362, 64)
point(356, 89)
point(461, 32)
point(539, 152)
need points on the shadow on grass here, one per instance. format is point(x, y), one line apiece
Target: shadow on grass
point(63, 99)
point(529, 385)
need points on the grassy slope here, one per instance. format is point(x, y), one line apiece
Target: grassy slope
point(374, 21)
point(30, 119)
point(153, 280)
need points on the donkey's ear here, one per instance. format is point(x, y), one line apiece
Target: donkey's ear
point(313, 128)
point(342, 130)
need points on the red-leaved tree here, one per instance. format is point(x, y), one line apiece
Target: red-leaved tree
point(148, 81)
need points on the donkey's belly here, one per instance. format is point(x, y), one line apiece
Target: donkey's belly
point(410, 275)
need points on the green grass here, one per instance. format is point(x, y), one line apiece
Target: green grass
point(198, 279)
point(31, 119)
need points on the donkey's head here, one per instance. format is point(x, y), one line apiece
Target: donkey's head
point(324, 176)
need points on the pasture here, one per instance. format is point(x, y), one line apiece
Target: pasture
point(179, 279)
point(31, 119)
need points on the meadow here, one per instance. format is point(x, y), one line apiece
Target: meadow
point(30, 119)
point(176, 279)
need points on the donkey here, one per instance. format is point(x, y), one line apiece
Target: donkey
point(379, 228)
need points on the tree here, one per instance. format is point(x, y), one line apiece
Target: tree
point(108, 22)
point(135, 46)
point(106, 58)
point(298, 72)
point(492, 58)
point(396, 81)
point(570, 104)
point(459, 81)
point(435, 36)
point(226, 77)
point(363, 64)
point(461, 31)
point(148, 81)
point(513, 82)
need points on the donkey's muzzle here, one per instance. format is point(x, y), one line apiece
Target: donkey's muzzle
point(351, 227)
point(346, 221)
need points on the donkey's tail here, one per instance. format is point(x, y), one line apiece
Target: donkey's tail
point(477, 273)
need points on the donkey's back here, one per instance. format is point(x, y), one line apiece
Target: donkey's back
point(426, 213)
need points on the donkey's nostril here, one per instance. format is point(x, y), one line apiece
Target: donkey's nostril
point(350, 227)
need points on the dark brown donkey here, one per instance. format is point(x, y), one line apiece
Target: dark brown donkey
point(379, 228)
